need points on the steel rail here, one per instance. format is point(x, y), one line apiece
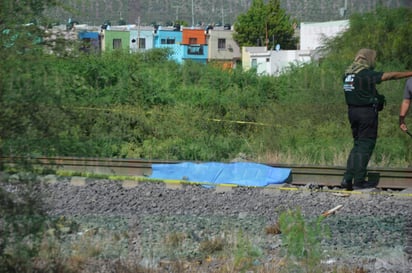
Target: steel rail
point(395, 178)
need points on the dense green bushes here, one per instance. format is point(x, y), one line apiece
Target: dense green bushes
point(22, 224)
point(145, 106)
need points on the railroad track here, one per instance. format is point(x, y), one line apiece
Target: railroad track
point(389, 178)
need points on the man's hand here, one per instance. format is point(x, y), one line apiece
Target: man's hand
point(403, 127)
point(402, 123)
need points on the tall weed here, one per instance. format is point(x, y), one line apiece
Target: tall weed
point(302, 241)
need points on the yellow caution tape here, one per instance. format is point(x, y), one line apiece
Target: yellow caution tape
point(131, 111)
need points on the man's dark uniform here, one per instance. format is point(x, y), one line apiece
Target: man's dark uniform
point(359, 85)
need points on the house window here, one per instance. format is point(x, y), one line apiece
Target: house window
point(167, 41)
point(142, 43)
point(192, 41)
point(195, 50)
point(221, 43)
point(267, 60)
point(254, 63)
point(117, 43)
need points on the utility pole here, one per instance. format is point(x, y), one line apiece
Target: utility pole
point(138, 33)
point(177, 12)
point(267, 36)
point(223, 13)
point(344, 9)
point(223, 17)
point(193, 15)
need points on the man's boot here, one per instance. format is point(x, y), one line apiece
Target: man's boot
point(347, 184)
point(360, 164)
point(350, 170)
point(362, 157)
point(365, 184)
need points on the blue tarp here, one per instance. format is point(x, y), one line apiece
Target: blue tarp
point(239, 173)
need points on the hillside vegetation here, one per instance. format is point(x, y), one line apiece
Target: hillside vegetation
point(206, 11)
point(144, 106)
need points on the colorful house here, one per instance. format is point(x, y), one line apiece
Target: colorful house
point(141, 39)
point(115, 39)
point(194, 45)
point(223, 49)
point(170, 37)
point(90, 41)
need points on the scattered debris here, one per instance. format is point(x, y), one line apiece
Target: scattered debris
point(341, 194)
point(331, 211)
point(273, 229)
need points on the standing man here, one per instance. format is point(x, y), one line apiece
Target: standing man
point(364, 103)
point(407, 96)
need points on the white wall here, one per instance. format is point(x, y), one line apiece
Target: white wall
point(312, 34)
point(282, 59)
point(275, 62)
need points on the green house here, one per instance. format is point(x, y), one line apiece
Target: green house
point(115, 40)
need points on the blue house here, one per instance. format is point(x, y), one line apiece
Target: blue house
point(168, 37)
point(194, 44)
point(90, 41)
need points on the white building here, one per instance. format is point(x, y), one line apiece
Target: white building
point(312, 35)
point(274, 62)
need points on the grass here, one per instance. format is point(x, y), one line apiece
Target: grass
point(339, 159)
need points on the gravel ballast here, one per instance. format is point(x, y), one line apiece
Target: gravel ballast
point(371, 230)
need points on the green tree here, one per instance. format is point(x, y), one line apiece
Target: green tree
point(265, 25)
point(24, 26)
point(381, 30)
point(29, 104)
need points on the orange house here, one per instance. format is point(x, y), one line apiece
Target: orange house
point(193, 36)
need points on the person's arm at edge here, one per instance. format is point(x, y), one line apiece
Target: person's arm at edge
point(396, 75)
point(402, 113)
